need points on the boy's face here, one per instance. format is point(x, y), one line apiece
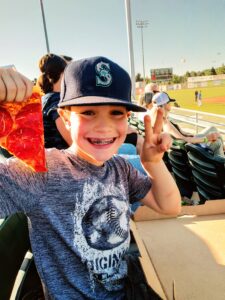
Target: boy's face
point(97, 131)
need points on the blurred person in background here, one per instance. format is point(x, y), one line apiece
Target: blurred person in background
point(199, 99)
point(133, 136)
point(152, 88)
point(196, 96)
point(146, 98)
point(67, 58)
point(52, 68)
point(209, 137)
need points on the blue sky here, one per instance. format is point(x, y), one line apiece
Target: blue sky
point(182, 34)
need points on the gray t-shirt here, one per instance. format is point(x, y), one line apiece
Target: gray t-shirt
point(79, 220)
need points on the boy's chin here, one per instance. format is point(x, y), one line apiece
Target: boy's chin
point(98, 156)
point(100, 160)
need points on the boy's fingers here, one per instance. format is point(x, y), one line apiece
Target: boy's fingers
point(28, 84)
point(159, 121)
point(14, 86)
point(10, 86)
point(2, 89)
point(148, 129)
point(20, 86)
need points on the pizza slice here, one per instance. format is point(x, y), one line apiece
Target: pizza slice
point(22, 132)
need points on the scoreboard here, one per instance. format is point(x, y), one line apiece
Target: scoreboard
point(163, 74)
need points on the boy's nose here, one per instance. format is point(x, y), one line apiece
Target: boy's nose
point(103, 123)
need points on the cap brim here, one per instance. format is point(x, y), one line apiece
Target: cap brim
point(172, 100)
point(93, 100)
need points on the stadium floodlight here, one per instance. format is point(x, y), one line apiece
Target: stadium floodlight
point(130, 45)
point(142, 24)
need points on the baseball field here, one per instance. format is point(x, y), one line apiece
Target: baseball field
point(213, 99)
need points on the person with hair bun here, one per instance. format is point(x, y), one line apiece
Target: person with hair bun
point(67, 58)
point(52, 68)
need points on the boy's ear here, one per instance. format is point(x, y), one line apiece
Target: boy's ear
point(65, 115)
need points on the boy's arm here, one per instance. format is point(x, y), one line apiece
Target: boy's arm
point(14, 86)
point(164, 195)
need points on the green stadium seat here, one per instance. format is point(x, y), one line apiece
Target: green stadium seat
point(181, 168)
point(208, 171)
point(15, 260)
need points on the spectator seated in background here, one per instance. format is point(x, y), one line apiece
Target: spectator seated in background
point(152, 88)
point(144, 100)
point(134, 134)
point(52, 68)
point(208, 138)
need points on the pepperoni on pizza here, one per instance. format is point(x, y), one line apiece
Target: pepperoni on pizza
point(22, 133)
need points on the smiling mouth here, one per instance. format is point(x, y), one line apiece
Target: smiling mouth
point(95, 141)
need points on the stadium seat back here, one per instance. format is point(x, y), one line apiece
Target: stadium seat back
point(14, 243)
point(181, 168)
point(14, 261)
point(208, 171)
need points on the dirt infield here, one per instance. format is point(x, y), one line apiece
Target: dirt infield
point(214, 100)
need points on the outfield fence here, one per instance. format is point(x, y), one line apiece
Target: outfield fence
point(195, 121)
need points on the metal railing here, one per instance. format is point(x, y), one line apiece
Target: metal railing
point(193, 120)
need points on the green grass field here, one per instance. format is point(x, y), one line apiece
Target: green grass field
point(186, 99)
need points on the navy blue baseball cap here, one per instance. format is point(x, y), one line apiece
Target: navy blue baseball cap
point(96, 81)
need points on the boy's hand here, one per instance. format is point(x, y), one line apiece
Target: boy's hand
point(156, 142)
point(14, 86)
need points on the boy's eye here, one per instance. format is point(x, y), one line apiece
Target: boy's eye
point(117, 113)
point(88, 113)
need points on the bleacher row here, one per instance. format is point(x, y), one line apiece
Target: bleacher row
point(19, 279)
point(195, 169)
point(199, 174)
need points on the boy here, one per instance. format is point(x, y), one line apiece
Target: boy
point(79, 210)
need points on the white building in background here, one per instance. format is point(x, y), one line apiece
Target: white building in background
point(140, 87)
point(204, 81)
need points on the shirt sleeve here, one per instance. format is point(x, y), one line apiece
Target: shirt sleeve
point(139, 184)
point(20, 187)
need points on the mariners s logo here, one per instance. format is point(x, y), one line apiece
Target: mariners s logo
point(103, 77)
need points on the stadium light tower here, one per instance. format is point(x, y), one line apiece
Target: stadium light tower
point(130, 45)
point(142, 24)
point(45, 28)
